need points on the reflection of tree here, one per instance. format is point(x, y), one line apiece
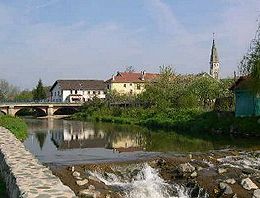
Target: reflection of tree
point(41, 138)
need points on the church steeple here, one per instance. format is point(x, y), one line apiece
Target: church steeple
point(214, 60)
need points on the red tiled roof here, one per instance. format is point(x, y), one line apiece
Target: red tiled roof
point(122, 77)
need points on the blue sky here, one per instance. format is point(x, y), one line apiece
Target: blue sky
point(92, 39)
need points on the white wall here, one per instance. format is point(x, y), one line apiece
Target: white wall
point(56, 94)
point(62, 95)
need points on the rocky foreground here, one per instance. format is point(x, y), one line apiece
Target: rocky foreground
point(227, 173)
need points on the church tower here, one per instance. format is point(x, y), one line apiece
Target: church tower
point(214, 61)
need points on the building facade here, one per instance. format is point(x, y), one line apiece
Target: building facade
point(77, 90)
point(247, 103)
point(214, 62)
point(131, 83)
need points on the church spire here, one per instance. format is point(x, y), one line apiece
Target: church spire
point(214, 60)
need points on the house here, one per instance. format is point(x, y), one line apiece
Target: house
point(77, 90)
point(247, 102)
point(130, 82)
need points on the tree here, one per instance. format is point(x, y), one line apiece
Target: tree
point(7, 91)
point(39, 92)
point(250, 64)
point(129, 69)
point(25, 95)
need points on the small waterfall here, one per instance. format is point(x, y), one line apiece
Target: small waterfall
point(144, 182)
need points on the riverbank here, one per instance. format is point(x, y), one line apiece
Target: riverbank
point(16, 125)
point(19, 128)
point(227, 173)
point(189, 120)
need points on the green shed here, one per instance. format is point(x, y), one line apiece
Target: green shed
point(247, 102)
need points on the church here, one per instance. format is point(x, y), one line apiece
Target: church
point(214, 61)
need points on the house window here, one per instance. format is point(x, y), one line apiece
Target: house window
point(89, 92)
point(108, 87)
point(70, 91)
point(55, 93)
point(124, 85)
point(138, 86)
point(76, 91)
point(58, 93)
point(130, 84)
point(99, 92)
point(94, 92)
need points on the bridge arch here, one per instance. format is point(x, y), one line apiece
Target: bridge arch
point(3, 112)
point(38, 111)
point(65, 110)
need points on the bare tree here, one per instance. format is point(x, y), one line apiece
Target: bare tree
point(129, 69)
point(7, 91)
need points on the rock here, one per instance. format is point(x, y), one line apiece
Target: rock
point(234, 196)
point(108, 196)
point(82, 182)
point(248, 171)
point(222, 170)
point(78, 178)
point(86, 193)
point(230, 181)
point(161, 162)
point(248, 184)
point(76, 174)
point(194, 174)
point(227, 190)
point(199, 168)
point(190, 156)
point(256, 193)
point(72, 169)
point(93, 178)
point(186, 168)
point(216, 191)
point(91, 187)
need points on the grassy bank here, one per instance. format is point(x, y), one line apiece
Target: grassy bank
point(179, 120)
point(16, 125)
point(19, 128)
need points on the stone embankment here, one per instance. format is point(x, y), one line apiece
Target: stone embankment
point(24, 175)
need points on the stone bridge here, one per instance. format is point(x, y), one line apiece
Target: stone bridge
point(47, 109)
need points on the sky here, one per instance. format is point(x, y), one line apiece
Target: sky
point(93, 39)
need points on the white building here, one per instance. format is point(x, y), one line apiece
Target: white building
point(77, 90)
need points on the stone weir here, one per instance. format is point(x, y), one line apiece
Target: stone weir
point(24, 175)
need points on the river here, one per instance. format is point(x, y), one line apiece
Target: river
point(64, 142)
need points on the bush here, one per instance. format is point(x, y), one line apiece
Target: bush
point(16, 125)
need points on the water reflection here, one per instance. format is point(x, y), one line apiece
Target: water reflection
point(66, 142)
point(55, 141)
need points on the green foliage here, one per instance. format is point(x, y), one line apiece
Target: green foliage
point(25, 95)
point(2, 188)
point(39, 92)
point(16, 125)
point(250, 64)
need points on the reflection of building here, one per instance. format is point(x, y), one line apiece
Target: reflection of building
point(78, 137)
point(77, 90)
point(126, 144)
point(81, 135)
point(130, 82)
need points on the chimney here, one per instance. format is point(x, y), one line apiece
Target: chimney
point(142, 75)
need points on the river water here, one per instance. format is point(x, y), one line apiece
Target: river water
point(63, 142)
